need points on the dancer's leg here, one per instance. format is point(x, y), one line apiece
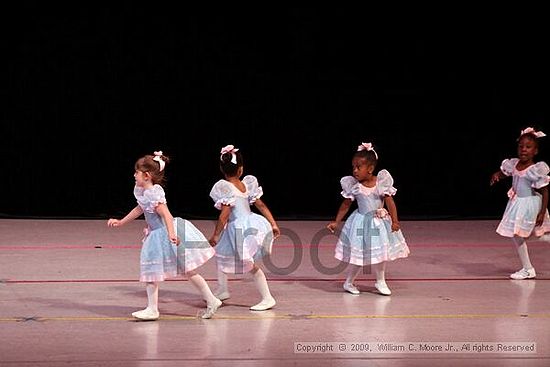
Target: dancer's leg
point(212, 303)
point(527, 272)
point(353, 271)
point(151, 312)
point(267, 301)
point(380, 271)
point(222, 293)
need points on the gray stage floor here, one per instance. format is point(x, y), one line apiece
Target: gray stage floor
point(68, 287)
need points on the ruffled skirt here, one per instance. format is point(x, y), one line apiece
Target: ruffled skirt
point(244, 241)
point(367, 239)
point(160, 259)
point(520, 216)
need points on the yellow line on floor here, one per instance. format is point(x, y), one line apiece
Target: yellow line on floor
point(443, 316)
point(279, 317)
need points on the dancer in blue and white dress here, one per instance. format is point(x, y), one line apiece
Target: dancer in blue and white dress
point(371, 235)
point(246, 237)
point(526, 213)
point(172, 246)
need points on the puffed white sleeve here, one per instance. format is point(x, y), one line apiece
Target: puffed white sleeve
point(222, 194)
point(254, 189)
point(538, 175)
point(348, 184)
point(507, 166)
point(385, 183)
point(155, 195)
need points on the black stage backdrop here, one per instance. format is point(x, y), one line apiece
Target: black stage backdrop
point(88, 90)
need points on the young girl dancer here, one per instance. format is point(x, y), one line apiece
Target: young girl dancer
point(371, 235)
point(246, 237)
point(526, 213)
point(160, 259)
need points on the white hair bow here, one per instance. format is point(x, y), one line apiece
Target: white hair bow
point(530, 130)
point(158, 158)
point(230, 149)
point(367, 146)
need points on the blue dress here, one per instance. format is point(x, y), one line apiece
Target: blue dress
point(524, 202)
point(367, 237)
point(160, 259)
point(248, 236)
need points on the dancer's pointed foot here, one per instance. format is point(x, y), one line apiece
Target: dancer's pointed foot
point(211, 309)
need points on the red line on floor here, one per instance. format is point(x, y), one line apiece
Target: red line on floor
point(68, 247)
point(100, 246)
point(296, 279)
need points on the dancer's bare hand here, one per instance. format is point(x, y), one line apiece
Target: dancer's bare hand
point(332, 226)
point(214, 240)
point(113, 223)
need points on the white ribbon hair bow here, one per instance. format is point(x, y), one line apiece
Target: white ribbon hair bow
point(367, 146)
point(158, 158)
point(229, 149)
point(538, 134)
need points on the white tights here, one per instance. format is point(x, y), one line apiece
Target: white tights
point(196, 279)
point(379, 270)
point(258, 276)
point(523, 252)
point(199, 283)
point(152, 295)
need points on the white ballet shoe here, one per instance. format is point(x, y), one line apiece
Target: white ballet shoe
point(524, 274)
point(383, 288)
point(146, 315)
point(348, 287)
point(211, 309)
point(264, 305)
